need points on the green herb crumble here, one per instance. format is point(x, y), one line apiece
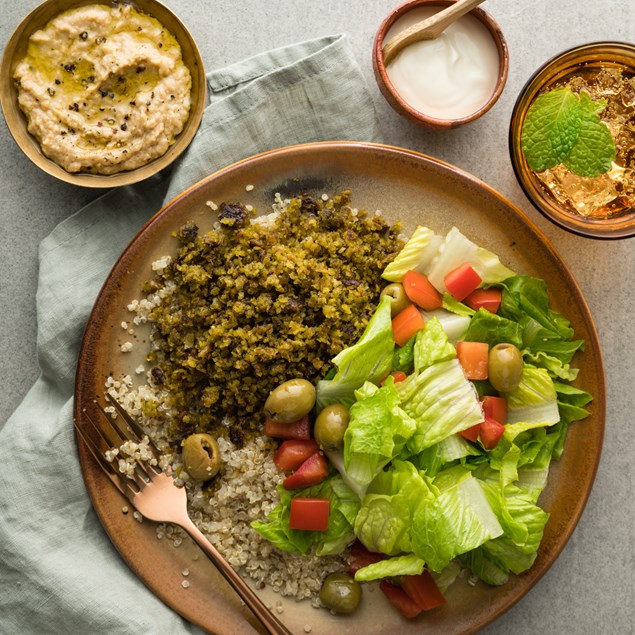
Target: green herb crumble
point(252, 304)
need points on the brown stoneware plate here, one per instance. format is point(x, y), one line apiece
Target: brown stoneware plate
point(404, 185)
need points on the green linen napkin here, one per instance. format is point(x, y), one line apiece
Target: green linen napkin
point(59, 573)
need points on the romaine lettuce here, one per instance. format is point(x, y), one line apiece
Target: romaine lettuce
point(416, 254)
point(377, 432)
point(338, 536)
point(370, 359)
point(441, 401)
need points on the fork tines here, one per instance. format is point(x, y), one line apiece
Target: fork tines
point(113, 432)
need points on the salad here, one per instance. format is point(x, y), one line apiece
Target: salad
point(425, 449)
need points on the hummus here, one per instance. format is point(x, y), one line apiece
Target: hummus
point(104, 89)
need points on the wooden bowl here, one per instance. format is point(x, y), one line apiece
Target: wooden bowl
point(16, 121)
point(392, 95)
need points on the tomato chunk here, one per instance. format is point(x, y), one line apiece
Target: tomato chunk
point(420, 291)
point(471, 434)
point(474, 359)
point(400, 599)
point(406, 324)
point(300, 429)
point(489, 299)
point(423, 590)
point(309, 514)
point(313, 471)
point(460, 282)
point(292, 453)
point(397, 376)
point(359, 557)
point(495, 408)
point(490, 433)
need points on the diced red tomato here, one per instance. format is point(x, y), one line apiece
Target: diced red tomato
point(423, 590)
point(309, 514)
point(489, 299)
point(292, 453)
point(313, 471)
point(300, 429)
point(490, 433)
point(420, 291)
point(471, 434)
point(460, 282)
point(406, 324)
point(400, 599)
point(359, 557)
point(474, 359)
point(398, 376)
point(495, 408)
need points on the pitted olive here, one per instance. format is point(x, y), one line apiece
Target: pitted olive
point(330, 427)
point(505, 367)
point(399, 300)
point(201, 457)
point(290, 401)
point(340, 593)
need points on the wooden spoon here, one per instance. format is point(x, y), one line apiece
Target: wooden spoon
point(427, 29)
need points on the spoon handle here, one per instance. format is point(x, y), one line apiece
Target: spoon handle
point(427, 29)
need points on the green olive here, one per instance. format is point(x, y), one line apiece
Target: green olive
point(505, 367)
point(201, 457)
point(399, 299)
point(330, 426)
point(340, 593)
point(290, 401)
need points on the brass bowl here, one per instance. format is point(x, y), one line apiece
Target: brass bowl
point(16, 121)
point(570, 62)
point(392, 95)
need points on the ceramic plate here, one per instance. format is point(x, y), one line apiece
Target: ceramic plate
point(404, 185)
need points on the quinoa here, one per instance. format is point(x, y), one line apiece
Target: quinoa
point(252, 304)
point(236, 312)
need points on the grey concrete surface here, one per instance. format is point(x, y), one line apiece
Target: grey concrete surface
point(591, 587)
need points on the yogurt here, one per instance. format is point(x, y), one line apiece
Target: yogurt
point(450, 77)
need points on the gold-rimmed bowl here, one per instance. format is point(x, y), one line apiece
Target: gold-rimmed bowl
point(17, 123)
point(584, 59)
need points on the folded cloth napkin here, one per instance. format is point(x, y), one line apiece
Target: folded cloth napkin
point(59, 573)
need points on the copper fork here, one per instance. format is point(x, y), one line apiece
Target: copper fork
point(156, 497)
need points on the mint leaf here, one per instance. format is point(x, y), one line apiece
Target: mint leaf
point(551, 128)
point(562, 127)
point(594, 149)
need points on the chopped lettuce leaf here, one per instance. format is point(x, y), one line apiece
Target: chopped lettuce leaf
point(404, 356)
point(377, 432)
point(534, 401)
point(441, 401)
point(452, 323)
point(493, 329)
point(438, 457)
point(416, 254)
point(458, 520)
point(456, 250)
point(485, 566)
point(432, 346)
point(338, 536)
point(370, 359)
point(410, 564)
point(523, 523)
point(450, 303)
point(552, 365)
point(384, 520)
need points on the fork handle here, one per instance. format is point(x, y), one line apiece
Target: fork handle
point(255, 604)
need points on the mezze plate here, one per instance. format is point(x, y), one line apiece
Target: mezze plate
point(403, 185)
